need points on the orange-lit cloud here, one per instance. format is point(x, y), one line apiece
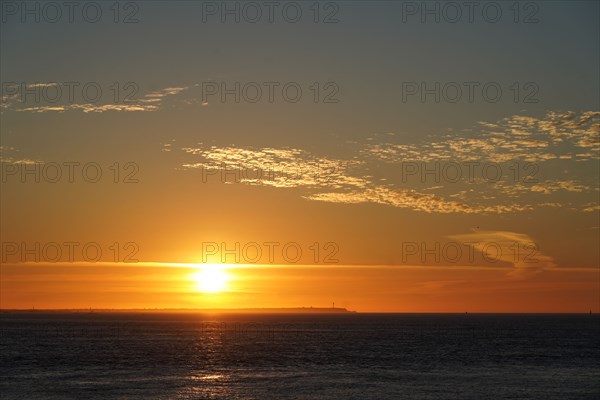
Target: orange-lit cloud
point(352, 180)
point(149, 102)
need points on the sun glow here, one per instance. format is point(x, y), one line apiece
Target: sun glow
point(211, 279)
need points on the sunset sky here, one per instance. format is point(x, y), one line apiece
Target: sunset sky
point(363, 189)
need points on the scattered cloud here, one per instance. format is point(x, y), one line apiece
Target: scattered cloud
point(361, 178)
point(516, 138)
point(9, 155)
point(147, 103)
point(329, 180)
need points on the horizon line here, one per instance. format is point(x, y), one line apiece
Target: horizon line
point(320, 310)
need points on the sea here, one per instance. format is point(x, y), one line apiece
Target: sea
point(137, 355)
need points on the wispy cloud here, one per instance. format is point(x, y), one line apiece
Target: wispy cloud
point(284, 168)
point(91, 108)
point(149, 102)
point(9, 155)
point(514, 248)
point(414, 200)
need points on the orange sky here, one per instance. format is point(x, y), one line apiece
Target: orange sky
point(360, 288)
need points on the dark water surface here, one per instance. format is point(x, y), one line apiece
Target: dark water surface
point(345, 356)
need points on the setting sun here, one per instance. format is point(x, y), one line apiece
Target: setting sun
point(211, 279)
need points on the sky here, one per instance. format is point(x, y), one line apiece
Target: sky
point(385, 156)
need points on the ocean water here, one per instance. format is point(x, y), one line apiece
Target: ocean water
point(328, 356)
